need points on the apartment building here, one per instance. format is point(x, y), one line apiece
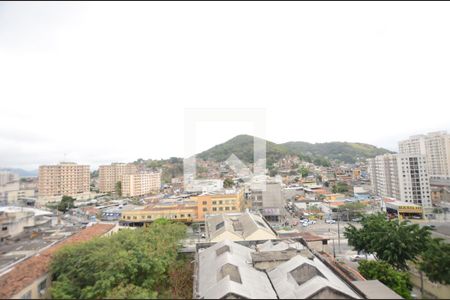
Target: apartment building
point(414, 183)
point(64, 179)
point(401, 176)
point(140, 184)
point(435, 146)
point(7, 177)
point(109, 175)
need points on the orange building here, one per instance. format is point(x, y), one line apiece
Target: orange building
point(218, 203)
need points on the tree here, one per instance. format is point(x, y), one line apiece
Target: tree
point(353, 209)
point(340, 187)
point(65, 204)
point(391, 241)
point(435, 261)
point(118, 188)
point(128, 264)
point(398, 281)
point(228, 183)
point(303, 171)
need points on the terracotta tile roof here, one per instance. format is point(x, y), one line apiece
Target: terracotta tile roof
point(26, 272)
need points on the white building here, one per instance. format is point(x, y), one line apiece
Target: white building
point(401, 176)
point(7, 177)
point(435, 146)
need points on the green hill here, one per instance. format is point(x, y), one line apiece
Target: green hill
point(343, 151)
point(319, 153)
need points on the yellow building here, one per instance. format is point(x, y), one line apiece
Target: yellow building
point(140, 184)
point(184, 212)
point(218, 203)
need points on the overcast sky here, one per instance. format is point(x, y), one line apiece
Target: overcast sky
point(101, 82)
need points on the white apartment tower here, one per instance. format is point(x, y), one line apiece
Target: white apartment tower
point(435, 146)
point(414, 182)
point(401, 176)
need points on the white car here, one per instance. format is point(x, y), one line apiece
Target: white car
point(330, 221)
point(312, 222)
point(305, 224)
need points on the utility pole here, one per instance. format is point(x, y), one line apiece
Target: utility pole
point(339, 231)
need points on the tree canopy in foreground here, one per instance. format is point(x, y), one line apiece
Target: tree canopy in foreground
point(389, 240)
point(140, 263)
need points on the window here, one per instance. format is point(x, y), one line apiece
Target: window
point(227, 208)
point(220, 202)
point(233, 208)
point(220, 208)
point(205, 202)
point(214, 202)
point(205, 209)
point(214, 208)
point(4, 228)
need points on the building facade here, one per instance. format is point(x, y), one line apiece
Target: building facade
point(401, 176)
point(7, 177)
point(218, 203)
point(435, 146)
point(110, 175)
point(64, 179)
point(140, 184)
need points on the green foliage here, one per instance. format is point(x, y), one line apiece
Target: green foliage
point(436, 261)
point(396, 280)
point(352, 210)
point(228, 183)
point(128, 264)
point(346, 152)
point(65, 204)
point(341, 187)
point(391, 241)
point(119, 188)
point(304, 172)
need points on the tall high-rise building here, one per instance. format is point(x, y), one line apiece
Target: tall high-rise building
point(110, 175)
point(140, 184)
point(414, 182)
point(435, 146)
point(64, 179)
point(401, 176)
point(7, 177)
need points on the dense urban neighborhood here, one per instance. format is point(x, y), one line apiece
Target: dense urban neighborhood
point(333, 220)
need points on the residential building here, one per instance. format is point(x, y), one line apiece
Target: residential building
point(401, 176)
point(140, 184)
point(15, 220)
point(226, 201)
point(238, 227)
point(7, 177)
point(31, 278)
point(414, 183)
point(110, 175)
point(64, 179)
point(435, 146)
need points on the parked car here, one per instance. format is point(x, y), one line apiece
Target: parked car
point(358, 257)
point(312, 222)
point(330, 221)
point(356, 219)
point(305, 224)
point(203, 236)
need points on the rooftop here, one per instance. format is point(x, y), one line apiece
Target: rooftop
point(26, 272)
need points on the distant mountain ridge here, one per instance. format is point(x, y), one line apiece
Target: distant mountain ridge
point(242, 147)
